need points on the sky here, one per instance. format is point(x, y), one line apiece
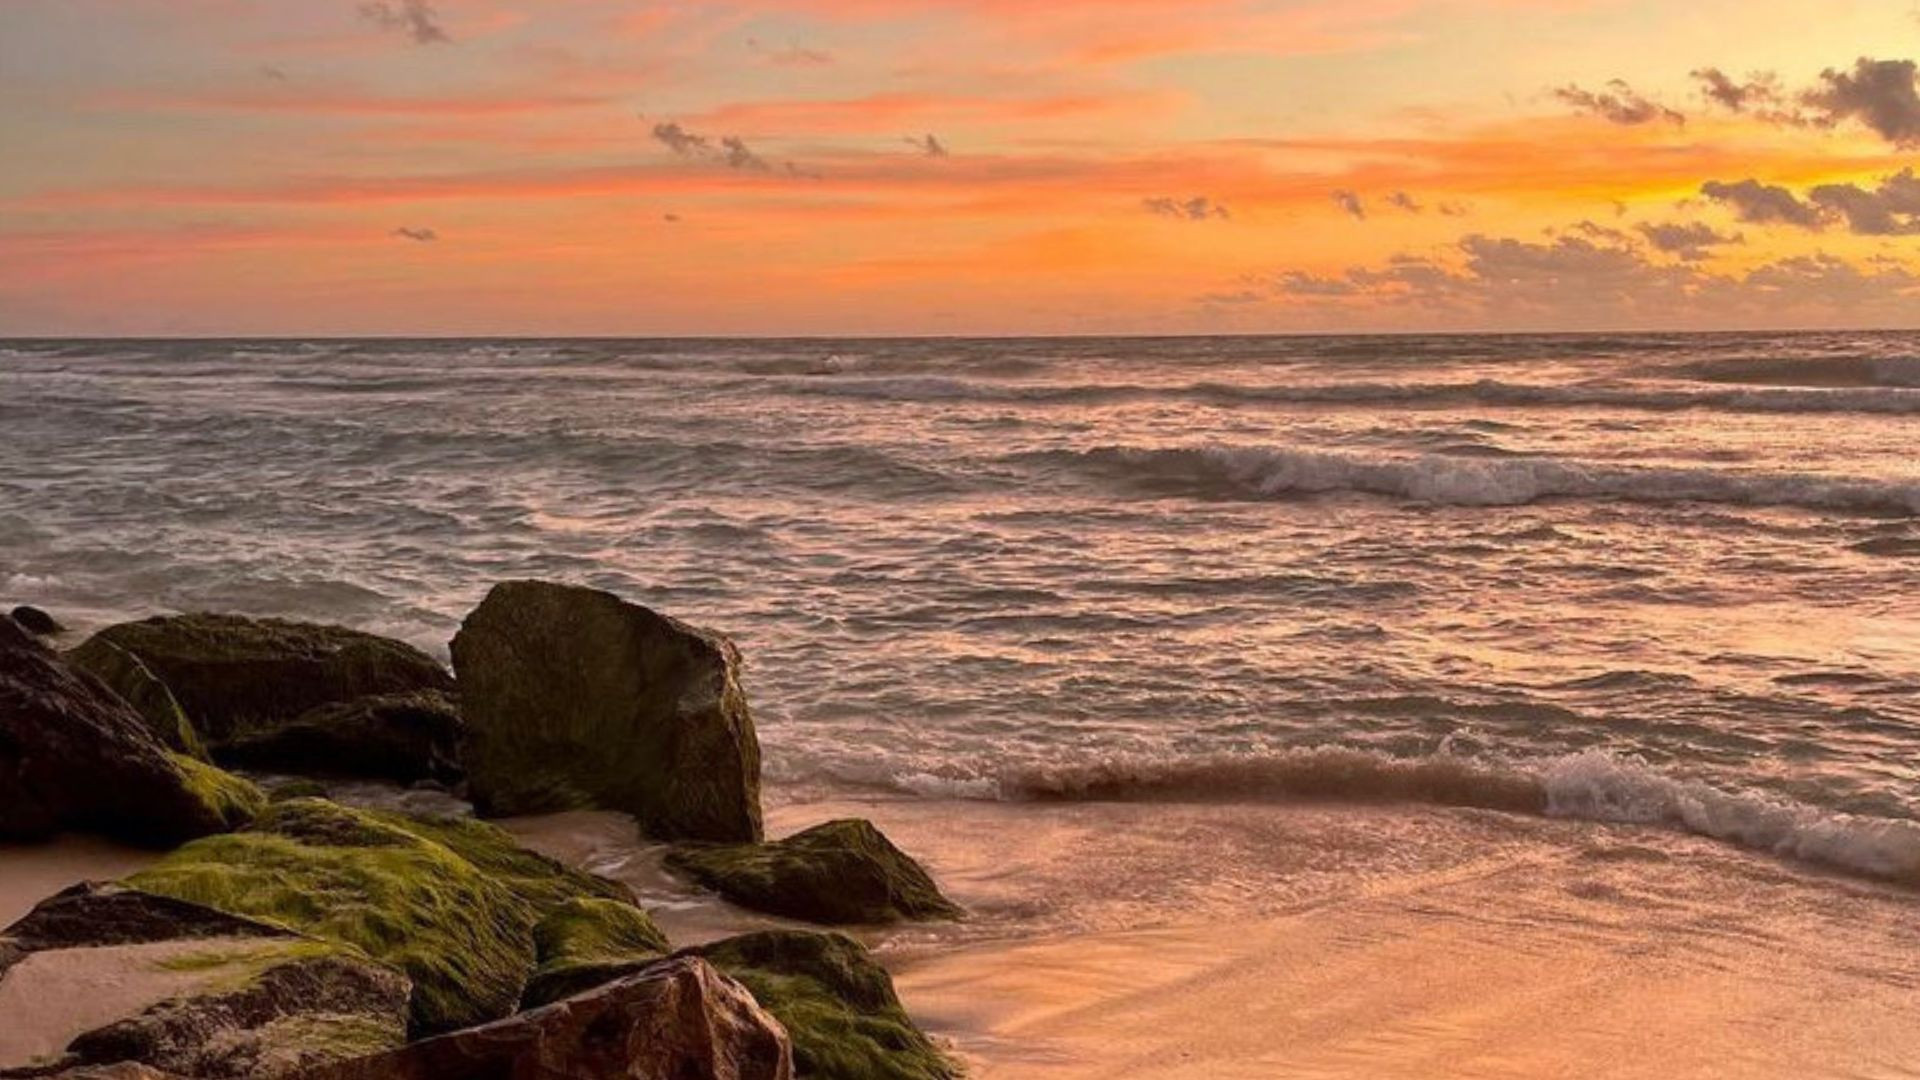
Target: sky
point(800, 167)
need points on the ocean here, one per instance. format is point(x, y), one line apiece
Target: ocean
point(1671, 580)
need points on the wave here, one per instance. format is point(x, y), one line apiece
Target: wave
point(1591, 786)
point(1902, 371)
point(1226, 472)
point(1891, 399)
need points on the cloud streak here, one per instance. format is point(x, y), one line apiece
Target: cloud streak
point(416, 19)
point(1618, 103)
point(1197, 208)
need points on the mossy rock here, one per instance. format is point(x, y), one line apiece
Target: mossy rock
point(837, 1004)
point(233, 674)
point(451, 903)
point(842, 872)
point(297, 788)
point(586, 942)
point(576, 699)
point(234, 799)
point(74, 756)
point(137, 685)
point(405, 738)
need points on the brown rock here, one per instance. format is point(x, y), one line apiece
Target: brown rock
point(676, 1019)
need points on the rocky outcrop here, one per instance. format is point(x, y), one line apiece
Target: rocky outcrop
point(400, 737)
point(75, 756)
point(35, 621)
point(574, 699)
point(837, 1004)
point(451, 902)
point(584, 943)
point(139, 687)
point(108, 978)
point(235, 675)
point(677, 1019)
point(842, 872)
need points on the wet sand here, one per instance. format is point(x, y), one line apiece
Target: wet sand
point(1208, 941)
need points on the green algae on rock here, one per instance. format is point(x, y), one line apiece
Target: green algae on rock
point(586, 942)
point(234, 674)
point(73, 756)
point(576, 699)
point(137, 685)
point(451, 903)
point(837, 1004)
point(842, 872)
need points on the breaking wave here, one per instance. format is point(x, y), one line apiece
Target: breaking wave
point(1590, 786)
point(1226, 472)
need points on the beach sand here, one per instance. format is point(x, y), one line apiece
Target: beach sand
point(1322, 940)
point(1156, 940)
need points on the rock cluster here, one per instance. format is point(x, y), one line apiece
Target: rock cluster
point(300, 938)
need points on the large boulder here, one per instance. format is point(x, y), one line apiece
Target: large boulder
point(586, 942)
point(575, 699)
point(36, 621)
point(451, 902)
point(676, 1019)
point(234, 674)
point(402, 737)
point(837, 1004)
point(842, 872)
point(75, 756)
point(139, 687)
point(114, 980)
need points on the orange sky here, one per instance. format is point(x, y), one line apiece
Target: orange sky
point(943, 166)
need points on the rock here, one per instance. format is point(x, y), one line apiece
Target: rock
point(35, 621)
point(451, 902)
point(234, 674)
point(576, 699)
point(837, 1004)
point(677, 1020)
point(123, 1071)
point(138, 687)
point(837, 873)
point(297, 788)
point(400, 737)
point(587, 942)
point(74, 756)
point(115, 981)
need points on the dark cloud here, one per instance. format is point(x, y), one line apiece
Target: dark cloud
point(1618, 103)
point(730, 150)
point(1878, 93)
point(1198, 208)
point(1402, 200)
point(1572, 279)
point(1881, 95)
point(1890, 209)
point(1763, 204)
point(268, 71)
point(928, 145)
point(417, 19)
point(670, 218)
point(1349, 201)
point(418, 236)
point(1688, 241)
point(681, 141)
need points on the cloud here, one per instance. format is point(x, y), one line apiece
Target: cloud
point(1198, 208)
point(1687, 241)
point(681, 141)
point(670, 218)
point(1406, 202)
point(1618, 103)
point(415, 18)
point(1878, 93)
point(1890, 208)
point(418, 236)
point(1578, 280)
point(791, 56)
point(1763, 204)
point(1881, 95)
point(1349, 201)
point(928, 145)
point(736, 155)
